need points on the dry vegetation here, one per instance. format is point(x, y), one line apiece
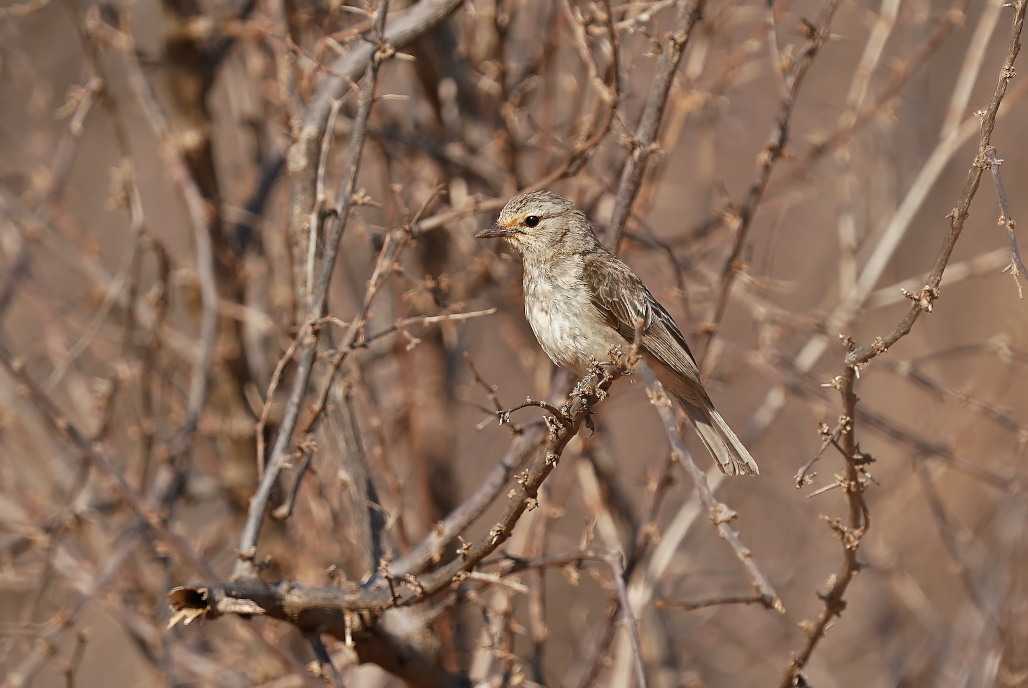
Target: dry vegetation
point(252, 359)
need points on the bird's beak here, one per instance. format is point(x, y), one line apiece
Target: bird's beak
point(495, 232)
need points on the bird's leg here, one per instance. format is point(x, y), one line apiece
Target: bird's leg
point(595, 384)
point(612, 371)
point(605, 374)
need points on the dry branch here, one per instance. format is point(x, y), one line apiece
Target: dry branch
point(343, 298)
point(314, 301)
point(858, 520)
point(718, 512)
point(644, 142)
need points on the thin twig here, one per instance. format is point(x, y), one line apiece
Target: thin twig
point(858, 520)
point(315, 309)
point(198, 213)
point(1006, 220)
point(692, 605)
point(587, 394)
point(773, 151)
point(899, 75)
point(803, 475)
point(285, 510)
point(617, 570)
point(269, 396)
point(96, 455)
point(719, 514)
point(644, 142)
point(490, 391)
point(555, 412)
point(973, 60)
point(923, 302)
point(850, 304)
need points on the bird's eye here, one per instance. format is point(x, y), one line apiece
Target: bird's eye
point(532, 221)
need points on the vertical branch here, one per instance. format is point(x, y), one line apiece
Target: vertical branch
point(644, 143)
point(617, 571)
point(1006, 220)
point(205, 259)
point(315, 306)
point(858, 518)
point(773, 150)
point(850, 534)
point(303, 157)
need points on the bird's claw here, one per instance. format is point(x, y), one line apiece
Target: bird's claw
point(589, 419)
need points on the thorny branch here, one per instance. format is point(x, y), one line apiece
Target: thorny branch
point(109, 391)
point(315, 304)
point(858, 520)
point(899, 75)
point(923, 302)
point(327, 606)
point(644, 143)
point(742, 218)
point(1006, 219)
point(718, 513)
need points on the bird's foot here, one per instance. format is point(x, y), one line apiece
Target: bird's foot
point(588, 420)
point(600, 377)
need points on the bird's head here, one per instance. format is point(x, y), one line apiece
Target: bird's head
point(541, 222)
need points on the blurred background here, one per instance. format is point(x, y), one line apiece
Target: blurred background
point(152, 288)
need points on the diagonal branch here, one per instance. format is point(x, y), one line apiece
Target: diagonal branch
point(1016, 267)
point(773, 150)
point(315, 307)
point(719, 513)
point(337, 611)
point(957, 216)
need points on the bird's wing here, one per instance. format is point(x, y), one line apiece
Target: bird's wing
point(622, 298)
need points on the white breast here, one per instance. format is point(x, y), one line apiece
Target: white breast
point(568, 326)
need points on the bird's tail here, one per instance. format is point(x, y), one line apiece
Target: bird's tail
point(728, 451)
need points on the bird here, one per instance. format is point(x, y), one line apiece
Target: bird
point(584, 305)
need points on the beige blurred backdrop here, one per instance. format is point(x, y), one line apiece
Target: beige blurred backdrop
point(102, 304)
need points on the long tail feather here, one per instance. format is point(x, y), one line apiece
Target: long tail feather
point(728, 451)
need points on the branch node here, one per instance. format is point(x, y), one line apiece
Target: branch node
point(925, 299)
point(412, 581)
point(720, 513)
point(464, 549)
point(459, 578)
point(834, 383)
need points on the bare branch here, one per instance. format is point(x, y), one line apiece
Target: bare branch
point(773, 150)
point(315, 306)
point(719, 513)
point(644, 143)
point(1016, 266)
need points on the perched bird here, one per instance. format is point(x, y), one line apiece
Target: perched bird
point(583, 304)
